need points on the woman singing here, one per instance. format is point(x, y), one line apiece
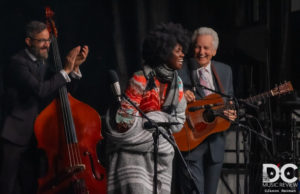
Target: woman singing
point(158, 92)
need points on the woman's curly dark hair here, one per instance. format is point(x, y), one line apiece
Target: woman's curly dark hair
point(160, 42)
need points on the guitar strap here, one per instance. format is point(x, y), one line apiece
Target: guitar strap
point(217, 78)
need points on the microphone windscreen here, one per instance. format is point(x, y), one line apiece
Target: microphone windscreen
point(113, 76)
point(192, 109)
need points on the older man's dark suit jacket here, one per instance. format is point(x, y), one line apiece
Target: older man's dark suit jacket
point(216, 141)
point(25, 91)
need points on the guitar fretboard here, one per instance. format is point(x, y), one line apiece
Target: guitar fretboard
point(281, 89)
point(259, 97)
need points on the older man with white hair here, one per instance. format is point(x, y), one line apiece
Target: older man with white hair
point(206, 160)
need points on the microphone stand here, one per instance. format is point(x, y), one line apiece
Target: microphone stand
point(169, 138)
point(237, 101)
point(238, 125)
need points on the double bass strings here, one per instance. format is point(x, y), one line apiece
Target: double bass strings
point(58, 66)
point(69, 127)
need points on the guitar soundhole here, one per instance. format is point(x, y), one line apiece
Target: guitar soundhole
point(208, 115)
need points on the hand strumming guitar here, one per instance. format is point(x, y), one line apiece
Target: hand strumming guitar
point(189, 96)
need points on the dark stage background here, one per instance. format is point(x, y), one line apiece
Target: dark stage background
point(259, 39)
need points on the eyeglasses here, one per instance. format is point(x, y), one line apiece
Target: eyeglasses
point(41, 40)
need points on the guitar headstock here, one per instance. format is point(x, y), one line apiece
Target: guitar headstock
point(282, 89)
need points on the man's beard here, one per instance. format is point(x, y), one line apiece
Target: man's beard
point(36, 52)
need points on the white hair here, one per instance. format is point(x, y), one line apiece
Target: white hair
point(206, 31)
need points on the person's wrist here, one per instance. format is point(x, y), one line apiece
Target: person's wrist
point(67, 70)
point(76, 69)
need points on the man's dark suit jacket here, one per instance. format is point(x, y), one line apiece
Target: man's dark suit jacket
point(216, 141)
point(25, 90)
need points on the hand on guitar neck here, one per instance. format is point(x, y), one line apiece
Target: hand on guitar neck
point(230, 113)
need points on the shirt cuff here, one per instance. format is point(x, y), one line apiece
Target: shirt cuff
point(65, 75)
point(76, 75)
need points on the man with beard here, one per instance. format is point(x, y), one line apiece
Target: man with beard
point(28, 82)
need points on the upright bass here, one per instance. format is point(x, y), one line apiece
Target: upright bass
point(68, 130)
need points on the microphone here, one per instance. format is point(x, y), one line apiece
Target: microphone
point(149, 125)
point(115, 85)
point(209, 115)
point(195, 108)
point(207, 106)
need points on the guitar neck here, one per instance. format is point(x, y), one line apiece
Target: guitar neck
point(250, 100)
point(278, 90)
point(258, 97)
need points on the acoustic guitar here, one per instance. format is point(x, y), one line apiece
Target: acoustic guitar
point(205, 117)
